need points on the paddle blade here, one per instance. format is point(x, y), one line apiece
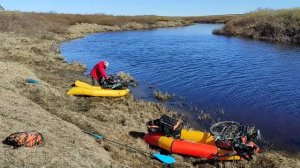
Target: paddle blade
point(164, 158)
point(96, 136)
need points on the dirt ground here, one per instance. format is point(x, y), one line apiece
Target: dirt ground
point(47, 108)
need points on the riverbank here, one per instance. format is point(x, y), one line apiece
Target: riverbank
point(270, 25)
point(31, 51)
point(218, 19)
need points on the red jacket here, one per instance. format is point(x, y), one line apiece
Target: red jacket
point(99, 71)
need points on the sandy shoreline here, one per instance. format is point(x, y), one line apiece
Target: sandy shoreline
point(45, 107)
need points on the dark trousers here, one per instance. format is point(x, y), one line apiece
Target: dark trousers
point(99, 81)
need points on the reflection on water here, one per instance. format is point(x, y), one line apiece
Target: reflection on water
point(252, 81)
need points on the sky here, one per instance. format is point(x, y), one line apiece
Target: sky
point(147, 7)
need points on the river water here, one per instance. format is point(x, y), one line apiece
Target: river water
point(252, 82)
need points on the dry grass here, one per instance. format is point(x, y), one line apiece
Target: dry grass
point(108, 20)
point(45, 23)
point(274, 25)
point(163, 96)
point(125, 76)
point(204, 116)
point(29, 24)
point(20, 113)
point(212, 19)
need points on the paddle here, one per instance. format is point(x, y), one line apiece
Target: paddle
point(163, 158)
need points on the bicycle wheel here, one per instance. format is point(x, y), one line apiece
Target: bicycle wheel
point(224, 127)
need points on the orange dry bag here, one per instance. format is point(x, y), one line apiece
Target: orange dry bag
point(27, 139)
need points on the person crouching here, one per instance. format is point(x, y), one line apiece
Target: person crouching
point(98, 73)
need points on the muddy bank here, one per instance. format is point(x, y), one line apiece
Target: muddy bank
point(45, 107)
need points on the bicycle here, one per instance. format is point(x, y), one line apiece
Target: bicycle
point(231, 135)
point(226, 133)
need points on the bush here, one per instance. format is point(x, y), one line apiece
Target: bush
point(29, 24)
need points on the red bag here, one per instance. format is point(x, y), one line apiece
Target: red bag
point(27, 139)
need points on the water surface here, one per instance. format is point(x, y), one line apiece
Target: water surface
point(251, 81)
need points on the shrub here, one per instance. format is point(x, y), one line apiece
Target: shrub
point(266, 24)
point(29, 24)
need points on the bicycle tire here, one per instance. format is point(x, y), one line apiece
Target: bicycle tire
point(215, 128)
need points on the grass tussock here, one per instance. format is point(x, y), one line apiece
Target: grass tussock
point(204, 116)
point(163, 96)
point(125, 76)
point(265, 24)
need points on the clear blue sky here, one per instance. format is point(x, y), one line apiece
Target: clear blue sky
point(148, 7)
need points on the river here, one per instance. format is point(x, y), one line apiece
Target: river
point(229, 78)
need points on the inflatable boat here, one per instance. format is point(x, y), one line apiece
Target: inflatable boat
point(191, 143)
point(84, 89)
point(87, 86)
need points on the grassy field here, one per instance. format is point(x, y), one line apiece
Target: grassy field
point(273, 25)
point(37, 23)
point(29, 48)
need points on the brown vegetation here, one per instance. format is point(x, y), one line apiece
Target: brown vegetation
point(29, 24)
point(212, 19)
point(29, 49)
point(125, 76)
point(273, 25)
point(39, 23)
point(164, 96)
